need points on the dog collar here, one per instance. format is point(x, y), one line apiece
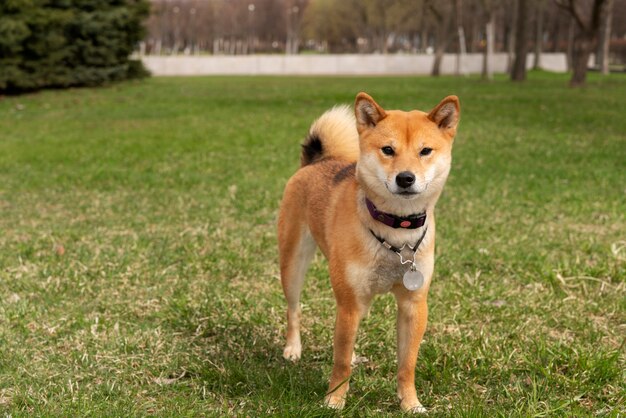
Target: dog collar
point(413, 221)
point(397, 250)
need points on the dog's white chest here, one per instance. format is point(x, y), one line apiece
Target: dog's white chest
point(384, 270)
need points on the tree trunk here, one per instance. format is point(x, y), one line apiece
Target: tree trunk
point(602, 56)
point(570, 45)
point(442, 29)
point(440, 47)
point(510, 41)
point(538, 36)
point(462, 52)
point(555, 31)
point(585, 37)
point(290, 41)
point(488, 54)
point(424, 29)
point(583, 45)
point(383, 43)
point(424, 39)
point(461, 33)
point(521, 42)
point(474, 32)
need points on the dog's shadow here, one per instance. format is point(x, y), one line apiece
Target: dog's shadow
point(239, 361)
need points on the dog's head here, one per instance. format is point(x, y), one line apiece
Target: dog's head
point(405, 156)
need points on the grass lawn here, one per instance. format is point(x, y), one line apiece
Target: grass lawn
point(138, 262)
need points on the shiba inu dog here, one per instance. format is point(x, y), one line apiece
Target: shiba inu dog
point(365, 194)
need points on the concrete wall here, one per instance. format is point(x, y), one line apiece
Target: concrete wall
point(345, 64)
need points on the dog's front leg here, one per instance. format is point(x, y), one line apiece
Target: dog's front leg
point(411, 325)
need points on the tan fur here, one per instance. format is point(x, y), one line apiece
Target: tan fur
point(324, 205)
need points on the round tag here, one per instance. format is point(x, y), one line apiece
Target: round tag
point(413, 280)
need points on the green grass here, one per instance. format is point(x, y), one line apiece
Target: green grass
point(138, 263)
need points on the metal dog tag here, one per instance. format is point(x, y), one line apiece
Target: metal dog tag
point(413, 279)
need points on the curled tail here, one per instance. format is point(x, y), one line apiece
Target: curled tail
point(333, 135)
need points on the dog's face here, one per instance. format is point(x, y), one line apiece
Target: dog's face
point(405, 155)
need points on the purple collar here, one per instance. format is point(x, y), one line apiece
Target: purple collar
point(413, 221)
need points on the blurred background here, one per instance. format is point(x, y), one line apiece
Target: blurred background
point(237, 27)
point(241, 27)
point(61, 43)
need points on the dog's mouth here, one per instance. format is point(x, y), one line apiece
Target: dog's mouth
point(408, 193)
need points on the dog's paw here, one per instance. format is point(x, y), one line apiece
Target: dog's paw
point(334, 402)
point(292, 352)
point(414, 407)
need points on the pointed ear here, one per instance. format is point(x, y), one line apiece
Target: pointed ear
point(368, 113)
point(446, 114)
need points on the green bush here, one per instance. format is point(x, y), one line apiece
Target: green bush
point(63, 43)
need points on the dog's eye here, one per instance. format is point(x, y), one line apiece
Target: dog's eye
point(387, 150)
point(426, 151)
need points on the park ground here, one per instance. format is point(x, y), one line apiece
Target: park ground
point(138, 262)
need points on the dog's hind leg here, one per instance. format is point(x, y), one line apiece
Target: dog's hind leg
point(297, 248)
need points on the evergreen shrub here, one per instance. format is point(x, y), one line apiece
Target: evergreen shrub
point(63, 43)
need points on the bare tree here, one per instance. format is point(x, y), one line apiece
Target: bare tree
point(569, 52)
point(295, 9)
point(510, 23)
point(474, 25)
point(377, 22)
point(365, 26)
point(586, 35)
point(539, 6)
point(441, 11)
point(521, 42)
point(490, 34)
point(424, 33)
point(335, 26)
point(458, 9)
point(602, 56)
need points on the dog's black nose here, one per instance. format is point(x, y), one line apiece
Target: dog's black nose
point(405, 179)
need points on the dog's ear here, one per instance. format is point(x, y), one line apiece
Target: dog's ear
point(446, 114)
point(368, 112)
